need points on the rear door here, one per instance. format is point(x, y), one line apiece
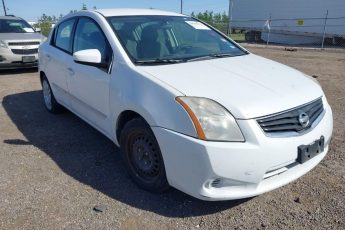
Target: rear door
point(89, 85)
point(57, 57)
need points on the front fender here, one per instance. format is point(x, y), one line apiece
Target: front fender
point(151, 98)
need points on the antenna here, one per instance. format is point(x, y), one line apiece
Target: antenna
point(3, 3)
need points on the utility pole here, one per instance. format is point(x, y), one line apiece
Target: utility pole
point(231, 4)
point(3, 3)
point(181, 6)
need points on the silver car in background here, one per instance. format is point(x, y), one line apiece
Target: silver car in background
point(19, 43)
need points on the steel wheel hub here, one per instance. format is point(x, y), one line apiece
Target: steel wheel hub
point(145, 158)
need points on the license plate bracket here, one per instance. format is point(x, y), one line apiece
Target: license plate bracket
point(307, 152)
point(28, 59)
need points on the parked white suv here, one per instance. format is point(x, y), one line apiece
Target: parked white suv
point(19, 43)
point(189, 107)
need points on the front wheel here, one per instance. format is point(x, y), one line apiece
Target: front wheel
point(142, 156)
point(48, 97)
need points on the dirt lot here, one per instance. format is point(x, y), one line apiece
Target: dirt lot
point(56, 171)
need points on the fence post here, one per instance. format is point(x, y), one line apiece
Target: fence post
point(324, 31)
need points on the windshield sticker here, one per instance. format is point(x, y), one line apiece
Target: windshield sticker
point(227, 43)
point(197, 25)
point(28, 30)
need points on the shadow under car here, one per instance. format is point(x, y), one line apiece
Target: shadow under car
point(92, 159)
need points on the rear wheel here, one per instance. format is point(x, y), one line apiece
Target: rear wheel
point(48, 97)
point(142, 156)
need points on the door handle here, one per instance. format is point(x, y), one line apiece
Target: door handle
point(70, 71)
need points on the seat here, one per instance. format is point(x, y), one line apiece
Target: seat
point(128, 39)
point(149, 47)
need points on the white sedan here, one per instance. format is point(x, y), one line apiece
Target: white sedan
point(189, 107)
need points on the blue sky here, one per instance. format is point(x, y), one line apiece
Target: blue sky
point(32, 9)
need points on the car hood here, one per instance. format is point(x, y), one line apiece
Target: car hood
point(20, 36)
point(249, 86)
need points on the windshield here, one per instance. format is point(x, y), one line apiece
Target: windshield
point(169, 39)
point(15, 26)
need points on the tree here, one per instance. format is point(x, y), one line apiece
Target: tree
point(206, 16)
point(45, 23)
point(84, 7)
point(218, 20)
point(225, 17)
point(217, 17)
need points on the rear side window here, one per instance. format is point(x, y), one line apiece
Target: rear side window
point(64, 35)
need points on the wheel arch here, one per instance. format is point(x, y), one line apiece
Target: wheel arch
point(42, 76)
point(123, 119)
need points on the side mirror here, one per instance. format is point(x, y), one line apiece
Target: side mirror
point(38, 30)
point(90, 57)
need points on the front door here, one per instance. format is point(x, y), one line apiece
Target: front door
point(89, 85)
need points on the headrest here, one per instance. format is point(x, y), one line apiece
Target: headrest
point(149, 33)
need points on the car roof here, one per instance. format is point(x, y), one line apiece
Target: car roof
point(9, 17)
point(133, 12)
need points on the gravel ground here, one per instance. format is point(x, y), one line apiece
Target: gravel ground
point(57, 172)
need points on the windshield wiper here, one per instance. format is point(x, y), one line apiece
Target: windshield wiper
point(222, 55)
point(210, 56)
point(158, 61)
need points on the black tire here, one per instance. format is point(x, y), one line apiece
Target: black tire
point(49, 100)
point(142, 156)
point(249, 36)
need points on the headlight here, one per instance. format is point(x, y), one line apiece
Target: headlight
point(211, 120)
point(3, 44)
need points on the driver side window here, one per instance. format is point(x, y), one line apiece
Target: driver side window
point(89, 35)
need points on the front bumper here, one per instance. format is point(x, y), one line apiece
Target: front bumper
point(228, 170)
point(10, 60)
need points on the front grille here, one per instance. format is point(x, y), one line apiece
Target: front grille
point(289, 121)
point(24, 51)
point(23, 43)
